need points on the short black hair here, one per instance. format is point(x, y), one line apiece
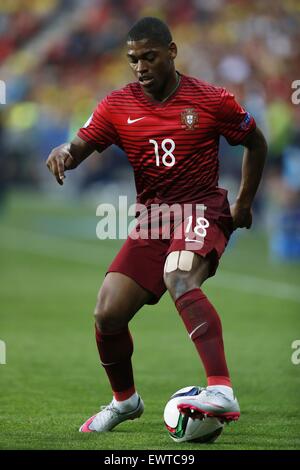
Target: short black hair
point(150, 28)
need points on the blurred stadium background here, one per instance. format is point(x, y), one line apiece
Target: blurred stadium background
point(57, 59)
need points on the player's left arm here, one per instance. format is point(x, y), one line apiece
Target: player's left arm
point(252, 168)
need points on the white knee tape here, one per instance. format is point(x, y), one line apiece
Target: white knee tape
point(171, 263)
point(182, 260)
point(186, 260)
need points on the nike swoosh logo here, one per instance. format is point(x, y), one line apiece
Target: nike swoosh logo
point(197, 328)
point(192, 240)
point(131, 121)
point(213, 404)
point(109, 363)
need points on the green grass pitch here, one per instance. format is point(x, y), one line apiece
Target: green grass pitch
point(51, 269)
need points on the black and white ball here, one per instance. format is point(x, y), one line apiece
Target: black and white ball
point(181, 428)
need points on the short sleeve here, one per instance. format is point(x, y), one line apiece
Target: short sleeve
point(99, 131)
point(233, 121)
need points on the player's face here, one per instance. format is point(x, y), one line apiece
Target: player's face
point(152, 64)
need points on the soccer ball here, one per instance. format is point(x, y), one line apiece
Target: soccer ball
point(182, 428)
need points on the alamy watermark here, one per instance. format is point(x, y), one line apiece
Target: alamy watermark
point(156, 221)
point(296, 94)
point(2, 352)
point(2, 92)
point(295, 358)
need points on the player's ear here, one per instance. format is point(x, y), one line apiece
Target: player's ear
point(172, 50)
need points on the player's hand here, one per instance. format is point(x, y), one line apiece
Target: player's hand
point(242, 216)
point(59, 161)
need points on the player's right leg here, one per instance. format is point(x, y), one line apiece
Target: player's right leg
point(120, 297)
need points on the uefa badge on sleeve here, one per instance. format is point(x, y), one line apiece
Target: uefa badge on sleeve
point(246, 122)
point(189, 119)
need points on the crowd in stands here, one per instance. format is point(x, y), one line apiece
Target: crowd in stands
point(252, 48)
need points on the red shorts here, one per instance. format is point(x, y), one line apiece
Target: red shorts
point(143, 259)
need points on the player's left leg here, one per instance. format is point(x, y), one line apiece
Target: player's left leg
point(185, 272)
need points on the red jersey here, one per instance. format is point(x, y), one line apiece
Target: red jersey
point(172, 146)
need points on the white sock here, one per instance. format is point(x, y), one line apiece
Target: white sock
point(228, 392)
point(127, 405)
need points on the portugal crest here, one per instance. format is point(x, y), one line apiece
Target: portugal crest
point(189, 119)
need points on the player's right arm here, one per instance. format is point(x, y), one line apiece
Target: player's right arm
point(67, 157)
point(98, 133)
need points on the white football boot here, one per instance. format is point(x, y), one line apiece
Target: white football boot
point(212, 403)
point(110, 416)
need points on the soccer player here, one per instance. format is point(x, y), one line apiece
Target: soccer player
point(169, 125)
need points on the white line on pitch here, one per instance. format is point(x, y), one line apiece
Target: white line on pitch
point(73, 251)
